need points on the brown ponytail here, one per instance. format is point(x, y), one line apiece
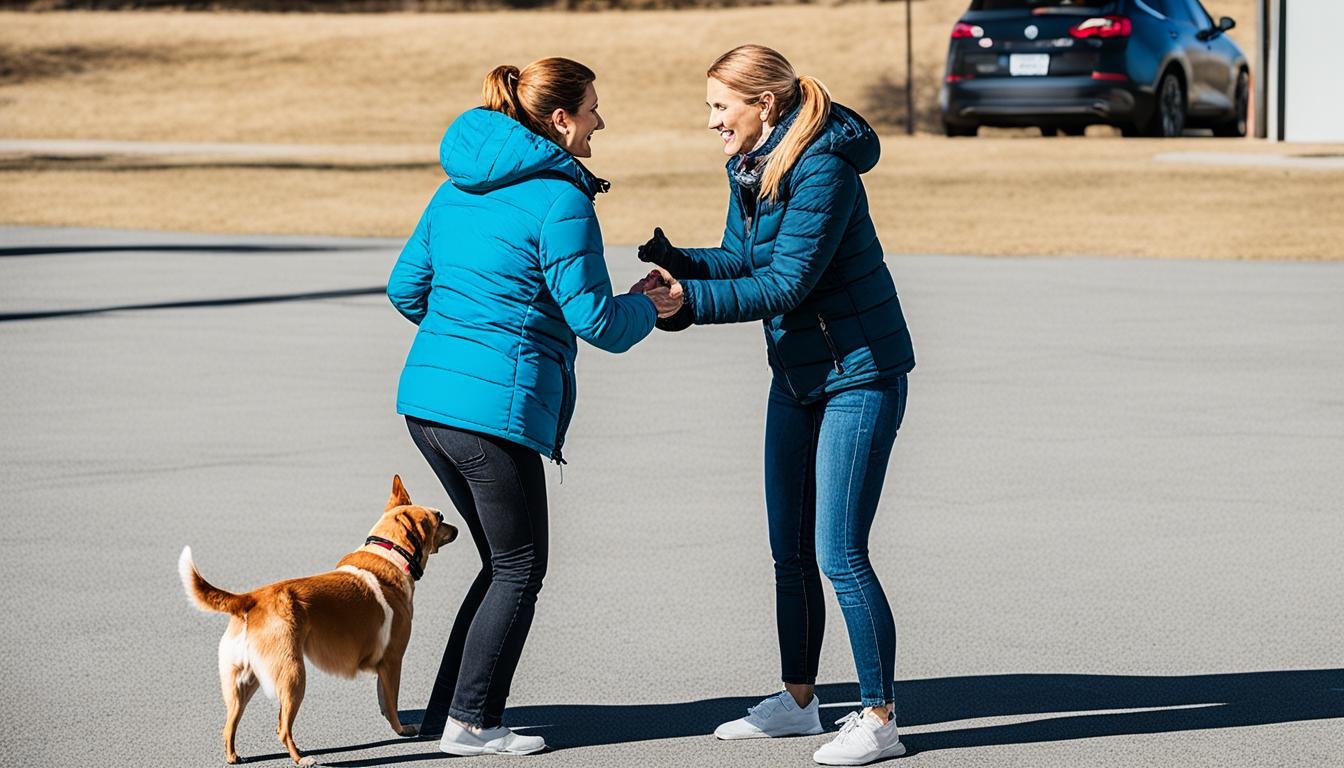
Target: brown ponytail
point(500, 91)
point(753, 70)
point(532, 95)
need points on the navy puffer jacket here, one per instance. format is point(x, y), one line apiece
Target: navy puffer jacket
point(810, 266)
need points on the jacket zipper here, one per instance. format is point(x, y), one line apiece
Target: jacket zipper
point(566, 412)
point(747, 218)
point(749, 221)
point(835, 355)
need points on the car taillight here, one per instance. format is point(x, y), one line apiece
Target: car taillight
point(1103, 26)
point(962, 29)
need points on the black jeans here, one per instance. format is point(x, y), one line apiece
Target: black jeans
point(499, 489)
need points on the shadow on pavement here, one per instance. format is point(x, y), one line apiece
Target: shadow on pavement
point(53, 250)
point(350, 748)
point(45, 314)
point(433, 754)
point(1071, 706)
point(124, 164)
point(1075, 706)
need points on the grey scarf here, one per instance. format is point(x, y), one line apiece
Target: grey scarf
point(750, 166)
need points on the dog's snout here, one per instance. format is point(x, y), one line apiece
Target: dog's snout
point(452, 532)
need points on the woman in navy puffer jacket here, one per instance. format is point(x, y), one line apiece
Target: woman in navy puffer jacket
point(801, 254)
point(502, 273)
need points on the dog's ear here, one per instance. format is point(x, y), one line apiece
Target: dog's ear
point(399, 496)
point(445, 533)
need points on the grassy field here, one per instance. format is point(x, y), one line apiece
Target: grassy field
point(384, 87)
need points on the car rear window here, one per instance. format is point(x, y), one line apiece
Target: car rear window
point(1008, 5)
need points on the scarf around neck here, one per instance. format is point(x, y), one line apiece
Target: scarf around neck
point(749, 168)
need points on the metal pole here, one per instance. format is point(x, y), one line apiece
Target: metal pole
point(909, 75)
point(1280, 69)
point(1260, 75)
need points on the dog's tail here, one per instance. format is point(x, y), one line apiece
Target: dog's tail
point(205, 595)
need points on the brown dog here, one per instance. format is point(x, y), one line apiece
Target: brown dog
point(356, 618)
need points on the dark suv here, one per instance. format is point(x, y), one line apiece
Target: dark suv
point(1150, 67)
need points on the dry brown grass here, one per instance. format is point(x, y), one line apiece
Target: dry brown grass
point(393, 82)
point(397, 78)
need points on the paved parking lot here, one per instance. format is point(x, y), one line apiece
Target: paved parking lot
point(1111, 529)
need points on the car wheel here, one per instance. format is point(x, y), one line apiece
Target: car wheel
point(960, 130)
point(1236, 127)
point(1049, 130)
point(1130, 131)
point(1168, 119)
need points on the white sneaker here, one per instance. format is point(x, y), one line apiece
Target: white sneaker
point(861, 740)
point(490, 741)
point(778, 715)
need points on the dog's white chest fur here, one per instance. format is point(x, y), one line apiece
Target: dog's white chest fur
point(371, 581)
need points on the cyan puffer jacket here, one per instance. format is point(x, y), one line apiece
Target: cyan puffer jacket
point(503, 270)
point(811, 267)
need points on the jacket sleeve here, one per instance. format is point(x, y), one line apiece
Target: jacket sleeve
point(575, 272)
point(728, 260)
point(825, 189)
point(409, 284)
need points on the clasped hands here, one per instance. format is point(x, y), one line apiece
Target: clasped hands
point(662, 289)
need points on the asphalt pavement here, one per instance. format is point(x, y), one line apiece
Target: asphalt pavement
point(1111, 529)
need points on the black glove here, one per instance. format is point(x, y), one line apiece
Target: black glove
point(661, 252)
point(682, 320)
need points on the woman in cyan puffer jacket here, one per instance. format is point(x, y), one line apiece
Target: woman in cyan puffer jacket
point(503, 272)
point(800, 253)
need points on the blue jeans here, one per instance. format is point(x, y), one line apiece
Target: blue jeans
point(824, 467)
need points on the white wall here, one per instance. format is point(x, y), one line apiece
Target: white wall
point(1314, 85)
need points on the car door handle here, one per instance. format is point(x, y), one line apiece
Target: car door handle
point(1174, 34)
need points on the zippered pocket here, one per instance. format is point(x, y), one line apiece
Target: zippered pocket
point(566, 414)
point(783, 369)
point(835, 354)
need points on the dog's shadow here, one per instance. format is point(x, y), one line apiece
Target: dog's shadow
point(1067, 707)
point(352, 748)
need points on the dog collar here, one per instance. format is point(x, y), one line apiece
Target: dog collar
point(412, 560)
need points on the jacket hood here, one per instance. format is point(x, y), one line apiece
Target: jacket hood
point(849, 136)
point(484, 150)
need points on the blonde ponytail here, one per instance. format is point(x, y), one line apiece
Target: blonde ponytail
point(754, 70)
point(807, 126)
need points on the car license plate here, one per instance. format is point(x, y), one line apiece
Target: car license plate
point(1029, 64)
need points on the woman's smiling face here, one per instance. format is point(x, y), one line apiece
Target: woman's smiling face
point(582, 125)
point(738, 123)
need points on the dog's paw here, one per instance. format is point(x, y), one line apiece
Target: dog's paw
point(409, 730)
point(307, 761)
